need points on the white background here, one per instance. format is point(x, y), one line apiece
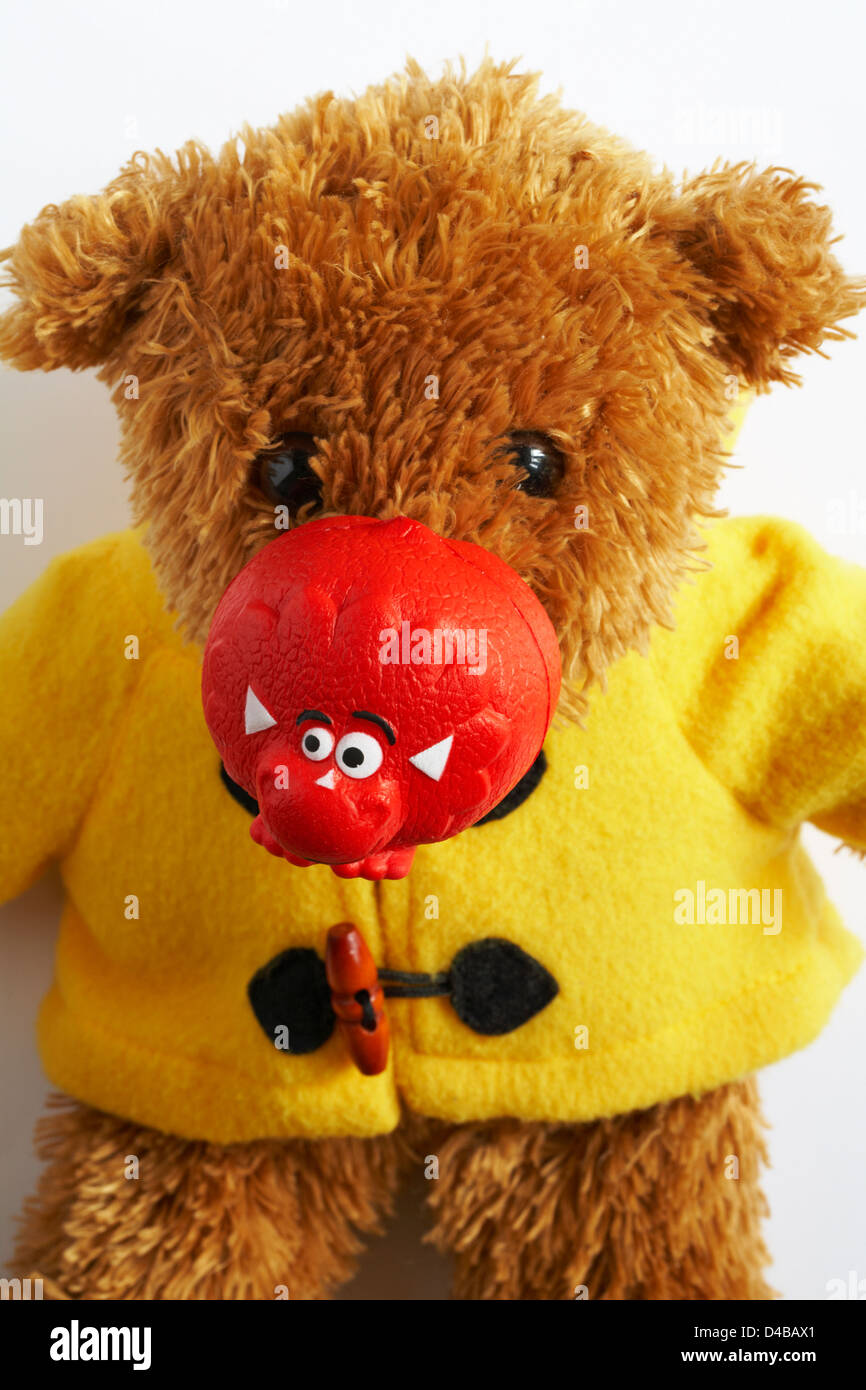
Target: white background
point(84, 85)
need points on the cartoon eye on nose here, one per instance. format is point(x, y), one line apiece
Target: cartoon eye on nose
point(358, 755)
point(317, 743)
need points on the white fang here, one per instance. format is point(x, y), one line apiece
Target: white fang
point(256, 717)
point(431, 761)
point(327, 780)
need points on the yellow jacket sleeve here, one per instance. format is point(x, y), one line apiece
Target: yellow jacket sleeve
point(65, 674)
point(767, 672)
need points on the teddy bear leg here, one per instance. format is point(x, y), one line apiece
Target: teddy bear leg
point(122, 1211)
point(662, 1203)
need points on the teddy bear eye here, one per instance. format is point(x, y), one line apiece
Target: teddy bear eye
point(285, 474)
point(540, 462)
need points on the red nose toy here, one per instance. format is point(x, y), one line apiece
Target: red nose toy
point(376, 687)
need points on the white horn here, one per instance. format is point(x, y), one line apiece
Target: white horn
point(431, 761)
point(256, 717)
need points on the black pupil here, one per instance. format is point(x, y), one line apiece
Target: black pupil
point(312, 743)
point(290, 478)
point(541, 470)
point(353, 757)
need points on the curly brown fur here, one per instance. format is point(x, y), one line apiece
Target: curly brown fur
point(637, 1207)
point(453, 257)
point(201, 1221)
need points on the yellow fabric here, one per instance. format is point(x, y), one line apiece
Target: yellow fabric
point(700, 765)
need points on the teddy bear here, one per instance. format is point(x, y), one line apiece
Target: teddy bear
point(449, 300)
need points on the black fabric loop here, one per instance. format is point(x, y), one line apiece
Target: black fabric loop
point(494, 987)
point(368, 1013)
point(406, 984)
point(292, 992)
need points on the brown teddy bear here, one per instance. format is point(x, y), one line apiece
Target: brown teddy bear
point(457, 302)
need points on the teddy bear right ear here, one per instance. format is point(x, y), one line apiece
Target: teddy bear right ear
point(78, 270)
point(770, 287)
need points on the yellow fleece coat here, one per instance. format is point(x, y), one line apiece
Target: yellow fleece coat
point(620, 873)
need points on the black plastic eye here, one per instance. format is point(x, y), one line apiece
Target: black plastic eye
point(539, 460)
point(317, 744)
point(285, 475)
point(359, 755)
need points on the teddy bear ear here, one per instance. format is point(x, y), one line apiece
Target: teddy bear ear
point(770, 286)
point(79, 269)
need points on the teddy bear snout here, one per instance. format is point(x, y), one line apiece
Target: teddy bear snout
point(374, 687)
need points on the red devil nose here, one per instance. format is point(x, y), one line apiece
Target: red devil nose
point(376, 687)
point(320, 814)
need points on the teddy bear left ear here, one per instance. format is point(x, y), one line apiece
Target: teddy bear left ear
point(79, 269)
point(762, 248)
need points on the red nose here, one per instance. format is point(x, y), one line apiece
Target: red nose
point(323, 817)
point(376, 687)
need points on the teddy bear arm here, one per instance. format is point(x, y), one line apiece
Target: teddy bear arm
point(65, 682)
point(766, 670)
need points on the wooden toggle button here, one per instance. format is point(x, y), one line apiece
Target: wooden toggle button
point(357, 997)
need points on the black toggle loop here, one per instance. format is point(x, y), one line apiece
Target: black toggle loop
point(495, 987)
point(407, 984)
point(292, 991)
point(368, 1013)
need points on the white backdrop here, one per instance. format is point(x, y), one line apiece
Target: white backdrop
point(85, 85)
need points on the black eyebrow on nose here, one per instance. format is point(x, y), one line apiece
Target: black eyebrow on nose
point(376, 719)
point(312, 714)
